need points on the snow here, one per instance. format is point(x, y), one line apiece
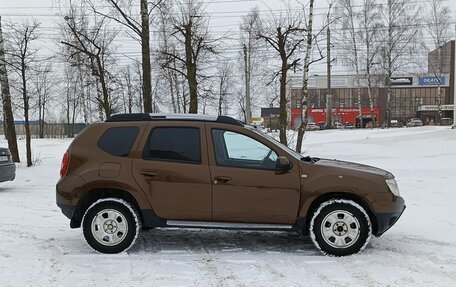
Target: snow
point(37, 246)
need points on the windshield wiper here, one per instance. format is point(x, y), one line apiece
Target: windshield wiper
point(310, 159)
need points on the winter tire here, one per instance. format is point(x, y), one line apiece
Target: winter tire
point(111, 225)
point(340, 227)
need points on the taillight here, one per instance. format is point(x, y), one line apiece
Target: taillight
point(65, 164)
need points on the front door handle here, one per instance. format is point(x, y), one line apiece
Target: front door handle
point(221, 179)
point(148, 173)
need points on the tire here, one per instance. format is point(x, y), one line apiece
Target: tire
point(340, 227)
point(111, 225)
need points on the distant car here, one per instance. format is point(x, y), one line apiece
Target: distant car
point(338, 125)
point(415, 123)
point(7, 166)
point(312, 127)
point(446, 121)
point(350, 125)
point(394, 123)
point(322, 125)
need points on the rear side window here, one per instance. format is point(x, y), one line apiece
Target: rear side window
point(118, 141)
point(174, 144)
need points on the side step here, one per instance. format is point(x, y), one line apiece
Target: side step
point(227, 225)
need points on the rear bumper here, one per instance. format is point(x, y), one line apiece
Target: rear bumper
point(7, 172)
point(386, 220)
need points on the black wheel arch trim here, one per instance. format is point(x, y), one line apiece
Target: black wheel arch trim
point(305, 221)
point(93, 195)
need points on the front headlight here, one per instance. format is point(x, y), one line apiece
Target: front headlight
point(392, 184)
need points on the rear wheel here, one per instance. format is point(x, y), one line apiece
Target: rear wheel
point(340, 227)
point(111, 225)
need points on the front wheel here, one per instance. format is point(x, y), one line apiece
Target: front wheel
point(340, 227)
point(111, 225)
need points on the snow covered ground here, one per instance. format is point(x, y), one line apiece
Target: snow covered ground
point(38, 248)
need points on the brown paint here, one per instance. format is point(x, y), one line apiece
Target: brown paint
point(207, 192)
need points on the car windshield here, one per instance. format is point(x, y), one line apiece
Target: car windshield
point(270, 138)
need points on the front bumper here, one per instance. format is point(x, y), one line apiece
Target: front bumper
point(386, 220)
point(7, 172)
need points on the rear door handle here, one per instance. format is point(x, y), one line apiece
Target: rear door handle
point(221, 179)
point(148, 173)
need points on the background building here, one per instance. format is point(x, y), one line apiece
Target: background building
point(413, 95)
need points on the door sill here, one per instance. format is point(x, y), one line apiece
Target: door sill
point(227, 225)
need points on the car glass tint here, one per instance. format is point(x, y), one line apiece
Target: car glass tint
point(175, 144)
point(118, 141)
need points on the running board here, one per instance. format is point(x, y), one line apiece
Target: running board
point(226, 225)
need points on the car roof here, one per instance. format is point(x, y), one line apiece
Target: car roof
point(173, 117)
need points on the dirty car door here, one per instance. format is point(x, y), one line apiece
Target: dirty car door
point(245, 185)
point(174, 172)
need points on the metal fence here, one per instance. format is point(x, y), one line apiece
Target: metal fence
point(50, 130)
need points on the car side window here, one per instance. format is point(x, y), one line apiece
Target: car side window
point(233, 149)
point(174, 144)
point(118, 141)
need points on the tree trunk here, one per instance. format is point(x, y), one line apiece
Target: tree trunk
point(145, 50)
point(248, 111)
point(283, 105)
point(25, 99)
point(305, 81)
point(171, 90)
point(105, 102)
point(67, 129)
point(40, 127)
point(10, 129)
point(191, 70)
point(176, 88)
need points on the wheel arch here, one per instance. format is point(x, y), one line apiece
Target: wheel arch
point(340, 195)
point(93, 195)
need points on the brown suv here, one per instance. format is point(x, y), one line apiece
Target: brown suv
point(140, 171)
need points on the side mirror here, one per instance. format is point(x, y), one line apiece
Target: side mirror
point(283, 165)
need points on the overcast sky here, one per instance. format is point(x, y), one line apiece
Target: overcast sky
point(225, 18)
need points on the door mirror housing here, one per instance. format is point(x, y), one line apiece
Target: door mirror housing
point(283, 165)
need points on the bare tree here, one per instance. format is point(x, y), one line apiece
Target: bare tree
point(224, 83)
point(129, 88)
point(43, 86)
point(167, 46)
point(349, 42)
point(369, 39)
point(190, 25)
point(71, 100)
point(311, 41)
point(8, 117)
point(438, 25)
point(124, 13)
point(283, 32)
point(249, 39)
point(22, 59)
point(400, 18)
point(92, 42)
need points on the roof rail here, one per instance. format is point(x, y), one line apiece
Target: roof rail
point(177, 117)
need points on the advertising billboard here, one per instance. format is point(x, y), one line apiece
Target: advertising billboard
point(431, 81)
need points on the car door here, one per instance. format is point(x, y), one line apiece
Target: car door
point(245, 185)
point(173, 171)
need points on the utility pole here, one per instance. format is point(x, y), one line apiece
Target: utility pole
point(328, 67)
point(453, 54)
point(248, 111)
